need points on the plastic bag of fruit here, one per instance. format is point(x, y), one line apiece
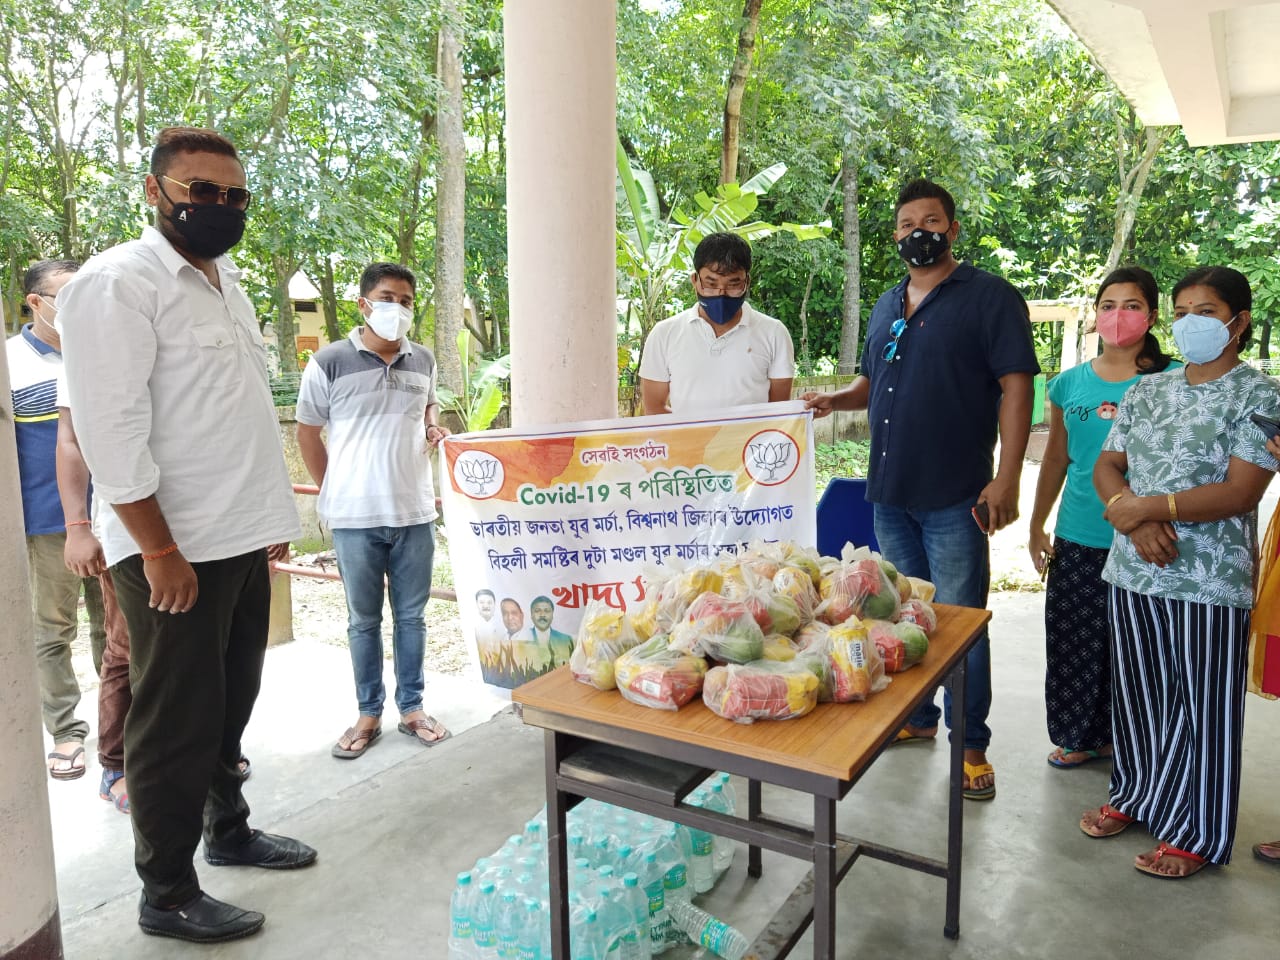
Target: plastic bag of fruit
point(604, 635)
point(900, 645)
point(860, 585)
point(796, 584)
point(775, 612)
point(653, 674)
point(765, 690)
point(919, 612)
point(721, 629)
point(856, 665)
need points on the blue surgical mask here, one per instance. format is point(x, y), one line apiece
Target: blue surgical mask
point(720, 310)
point(1201, 339)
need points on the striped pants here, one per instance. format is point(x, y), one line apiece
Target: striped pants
point(1178, 684)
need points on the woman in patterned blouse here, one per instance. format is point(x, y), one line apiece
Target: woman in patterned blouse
point(1181, 475)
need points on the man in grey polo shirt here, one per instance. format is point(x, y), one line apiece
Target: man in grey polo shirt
point(376, 394)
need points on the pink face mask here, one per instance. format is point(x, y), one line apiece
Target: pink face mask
point(1122, 328)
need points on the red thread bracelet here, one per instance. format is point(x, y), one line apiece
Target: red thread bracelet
point(171, 548)
point(78, 523)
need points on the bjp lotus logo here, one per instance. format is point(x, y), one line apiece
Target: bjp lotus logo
point(771, 457)
point(478, 474)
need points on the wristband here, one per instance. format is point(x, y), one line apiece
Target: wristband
point(78, 523)
point(171, 548)
point(1115, 497)
point(1173, 508)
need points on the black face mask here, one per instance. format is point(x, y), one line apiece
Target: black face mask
point(920, 248)
point(208, 230)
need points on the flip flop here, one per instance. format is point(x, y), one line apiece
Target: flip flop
point(1107, 812)
point(74, 773)
point(973, 771)
point(906, 736)
point(1260, 851)
point(430, 725)
point(1164, 850)
point(1058, 758)
point(118, 800)
point(354, 736)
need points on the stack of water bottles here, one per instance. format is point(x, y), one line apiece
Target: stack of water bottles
point(631, 880)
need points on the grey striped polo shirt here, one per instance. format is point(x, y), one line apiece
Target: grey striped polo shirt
point(379, 472)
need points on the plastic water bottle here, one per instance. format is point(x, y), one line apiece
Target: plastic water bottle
point(529, 943)
point(589, 943)
point(532, 833)
point(651, 878)
point(723, 848)
point(506, 923)
point(483, 931)
point(635, 945)
point(726, 787)
point(675, 867)
point(577, 846)
point(461, 944)
point(614, 918)
point(706, 931)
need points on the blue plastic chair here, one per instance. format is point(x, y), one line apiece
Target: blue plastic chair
point(844, 515)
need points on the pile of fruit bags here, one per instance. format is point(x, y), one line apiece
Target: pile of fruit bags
point(766, 633)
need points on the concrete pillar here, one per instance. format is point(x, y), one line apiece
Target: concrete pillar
point(29, 926)
point(561, 136)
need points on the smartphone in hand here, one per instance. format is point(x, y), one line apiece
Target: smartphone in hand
point(982, 517)
point(1268, 426)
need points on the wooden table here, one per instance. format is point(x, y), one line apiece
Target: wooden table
point(659, 756)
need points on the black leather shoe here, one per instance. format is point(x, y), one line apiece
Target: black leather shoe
point(201, 919)
point(263, 850)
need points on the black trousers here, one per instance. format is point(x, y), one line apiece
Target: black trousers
point(195, 677)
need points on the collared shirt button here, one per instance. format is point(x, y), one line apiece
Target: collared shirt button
point(891, 389)
point(886, 419)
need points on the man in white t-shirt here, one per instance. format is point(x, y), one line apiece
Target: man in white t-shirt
point(720, 353)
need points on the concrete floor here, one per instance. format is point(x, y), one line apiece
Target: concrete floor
point(395, 826)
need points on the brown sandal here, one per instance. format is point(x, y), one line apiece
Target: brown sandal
point(354, 736)
point(72, 772)
point(428, 724)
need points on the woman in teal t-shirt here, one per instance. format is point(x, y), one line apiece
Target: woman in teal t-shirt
point(1085, 400)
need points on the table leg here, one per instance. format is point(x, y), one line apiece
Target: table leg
point(955, 817)
point(824, 878)
point(755, 869)
point(557, 854)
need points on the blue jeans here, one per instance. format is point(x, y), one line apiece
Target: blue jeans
point(947, 547)
point(403, 555)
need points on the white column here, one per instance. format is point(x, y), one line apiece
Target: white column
point(28, 891)
point(561, 132)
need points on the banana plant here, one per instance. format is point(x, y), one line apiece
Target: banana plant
point(481, 398)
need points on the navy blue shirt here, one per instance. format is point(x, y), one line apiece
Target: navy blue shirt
point(934, 410)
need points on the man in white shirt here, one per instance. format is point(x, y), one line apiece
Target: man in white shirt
point(166, 372)
point(721, 352)
point(376, 393)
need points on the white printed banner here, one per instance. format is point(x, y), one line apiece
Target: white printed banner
point(540, 522)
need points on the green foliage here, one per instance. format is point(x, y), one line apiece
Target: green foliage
point(844, 458)
point(481, 398)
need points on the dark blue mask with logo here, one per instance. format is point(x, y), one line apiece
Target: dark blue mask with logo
point(722, 309)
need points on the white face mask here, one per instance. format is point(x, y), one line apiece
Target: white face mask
point(390, 321)
point(52, 306)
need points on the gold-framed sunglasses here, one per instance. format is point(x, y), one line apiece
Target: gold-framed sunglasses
point(206, 192)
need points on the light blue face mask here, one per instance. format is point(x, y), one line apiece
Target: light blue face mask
point(1201, 339)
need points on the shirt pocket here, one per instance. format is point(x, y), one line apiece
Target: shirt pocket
point(217, 357)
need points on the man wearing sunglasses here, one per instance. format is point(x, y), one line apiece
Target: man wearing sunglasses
point(720, 352)
point(948, 361)
point(166, 372)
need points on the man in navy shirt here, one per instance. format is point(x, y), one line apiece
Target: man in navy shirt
point(948, 360)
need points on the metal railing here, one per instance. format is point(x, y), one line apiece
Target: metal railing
point(297, 570)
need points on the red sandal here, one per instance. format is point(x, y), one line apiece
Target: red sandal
point(1164, 850)
point(1107, 812)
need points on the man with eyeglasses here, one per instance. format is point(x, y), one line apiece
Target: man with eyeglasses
point(721, 352)
point(166, 373)
point(948, 361)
